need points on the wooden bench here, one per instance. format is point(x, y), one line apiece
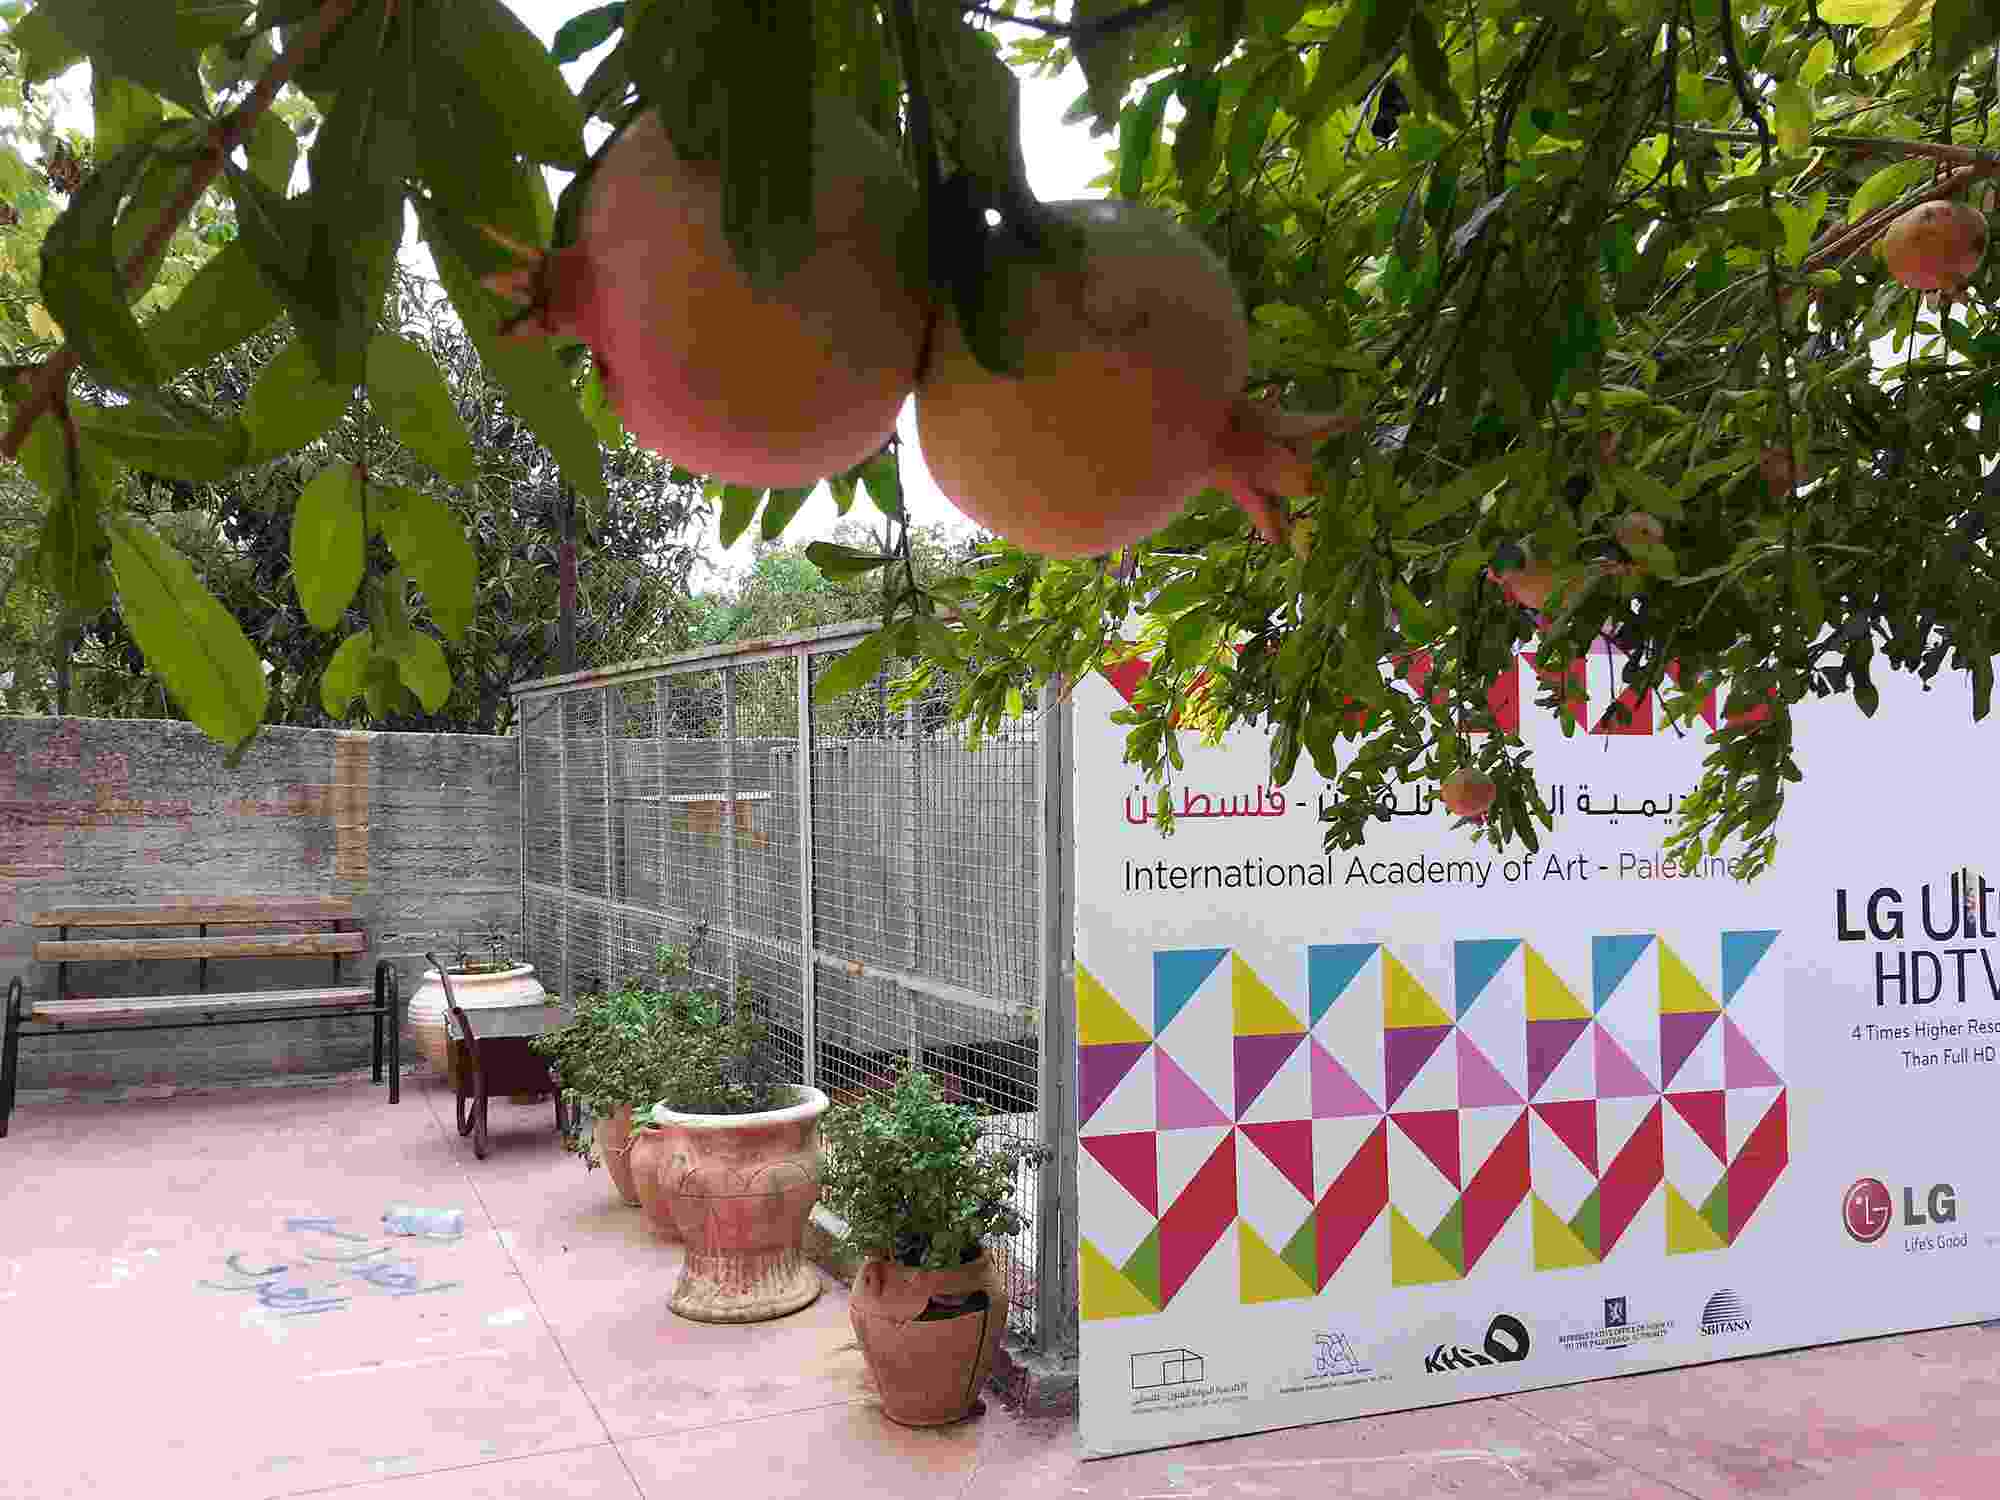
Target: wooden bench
point(131, 933)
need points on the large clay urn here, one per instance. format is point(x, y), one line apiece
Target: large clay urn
point(613, 1139)
point(741, 1189)
point(648, 1156)
point(929, 1337)
point(495, 989)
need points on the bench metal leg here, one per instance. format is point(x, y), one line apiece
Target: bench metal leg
point(10, 1052)
point(394, 1022)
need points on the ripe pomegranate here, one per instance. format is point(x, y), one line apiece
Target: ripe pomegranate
point(1467, 794)
point(770, 387)
point(1129, 398)
point(1641, 527)
point(1935, 246)
point(1530, 584)
point(1782, 472)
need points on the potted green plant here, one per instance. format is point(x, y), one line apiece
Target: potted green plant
point(483, 977)
point(922, 1188)
point(607, 1061)
point(739, 1163)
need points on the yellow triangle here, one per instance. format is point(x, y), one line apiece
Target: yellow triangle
point(1687, 1231)
point(1549, 999)
point(1264, 1277)
point(1258, 1011)
point(1105, 1291)
point(1680, 992)
point(1414, 1260)
point(1405, 1002)
point(1557, 1246)
point(1099, 1018)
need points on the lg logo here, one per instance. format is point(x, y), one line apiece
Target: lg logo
point(1869, 1209)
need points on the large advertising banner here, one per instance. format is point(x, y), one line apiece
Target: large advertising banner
point(1423, 1122)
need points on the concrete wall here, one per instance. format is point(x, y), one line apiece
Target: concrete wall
point(421, 831)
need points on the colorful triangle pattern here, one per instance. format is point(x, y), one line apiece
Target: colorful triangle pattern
point(1277, 1262)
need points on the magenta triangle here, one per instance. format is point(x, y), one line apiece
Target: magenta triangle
point(1743, 1066)
point(1618, 1077)
point(1178, 1101)
point(1258, 1059)
point(1100, 1068)
point(1405, 1050)
point(1548, 1044)
point(1479, 1082)
point(1335, 1094)
point(1131, 1159)
point(1680, 1033)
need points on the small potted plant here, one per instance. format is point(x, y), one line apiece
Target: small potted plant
point(480, 980)
point(739, 1162)
point(609, 1063)
point(922, 1187)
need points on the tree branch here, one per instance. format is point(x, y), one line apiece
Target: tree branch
point(1868, 145)
point(1086, 31)
point(223, 137)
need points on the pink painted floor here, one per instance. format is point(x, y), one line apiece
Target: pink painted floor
point(170, 1328)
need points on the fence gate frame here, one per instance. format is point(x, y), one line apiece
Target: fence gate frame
point(1049, 1205)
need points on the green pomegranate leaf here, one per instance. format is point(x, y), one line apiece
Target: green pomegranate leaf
point(429, 543)
point(341, 683)
point(190, 640)
point(291, 403)
point(69, 558)
point(1960, 28)
point(587, 32)
point(494, 56)
point(272, 151)
point(327, 553)
point(852, 669)
point(779, 509)
point(536, 383)
point(1138, 134)
point(45, 51)
point(421, 662)
point(81, 284)
point(121, 112)
point(408, 392)
point(150, 42)
point(884, 483)
point(739, 504)
point(837, 561)
point(165, 435)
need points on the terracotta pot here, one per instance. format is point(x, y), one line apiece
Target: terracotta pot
point(928, 1369)
point(613, 1138)
point(648, 1157)
point(741, 1189)
point(502, 987)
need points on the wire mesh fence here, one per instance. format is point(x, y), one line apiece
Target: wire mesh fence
point(888, 892)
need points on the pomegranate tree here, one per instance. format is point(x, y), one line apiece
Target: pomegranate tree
point(772, 386)
point(1128, 401)
point(1935, 246)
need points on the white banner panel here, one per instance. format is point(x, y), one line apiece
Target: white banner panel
point(1421, 1122)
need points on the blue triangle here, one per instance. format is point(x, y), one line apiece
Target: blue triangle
point(1330, 968)
point(1740, 954)
point(1611, 959)
point(1177, 974)
point(1475, 962)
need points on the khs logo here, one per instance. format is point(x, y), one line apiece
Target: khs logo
point(1868, 1209)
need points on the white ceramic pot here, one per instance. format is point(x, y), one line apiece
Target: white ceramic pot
point(497, 989)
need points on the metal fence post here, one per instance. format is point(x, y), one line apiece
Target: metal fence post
point(1055, 1035)
point(732, 859)
point(562, 823)
point(662, 698)
point(808, 978)
point(521, 859)
point(613, 700)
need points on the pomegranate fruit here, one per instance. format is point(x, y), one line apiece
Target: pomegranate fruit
point(1640, 527)
point(1782, 472)
point(1935, 246)
point(1128, 401)
point(772, 386)
point(1467, 794)
point(1530, 584)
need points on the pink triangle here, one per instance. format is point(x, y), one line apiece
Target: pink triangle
point(1178, 1102)
point(1335, 1094)
point(1618, 1077)
point(1479, 1082)
point(1133, 1161)
point(1743, 1067)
